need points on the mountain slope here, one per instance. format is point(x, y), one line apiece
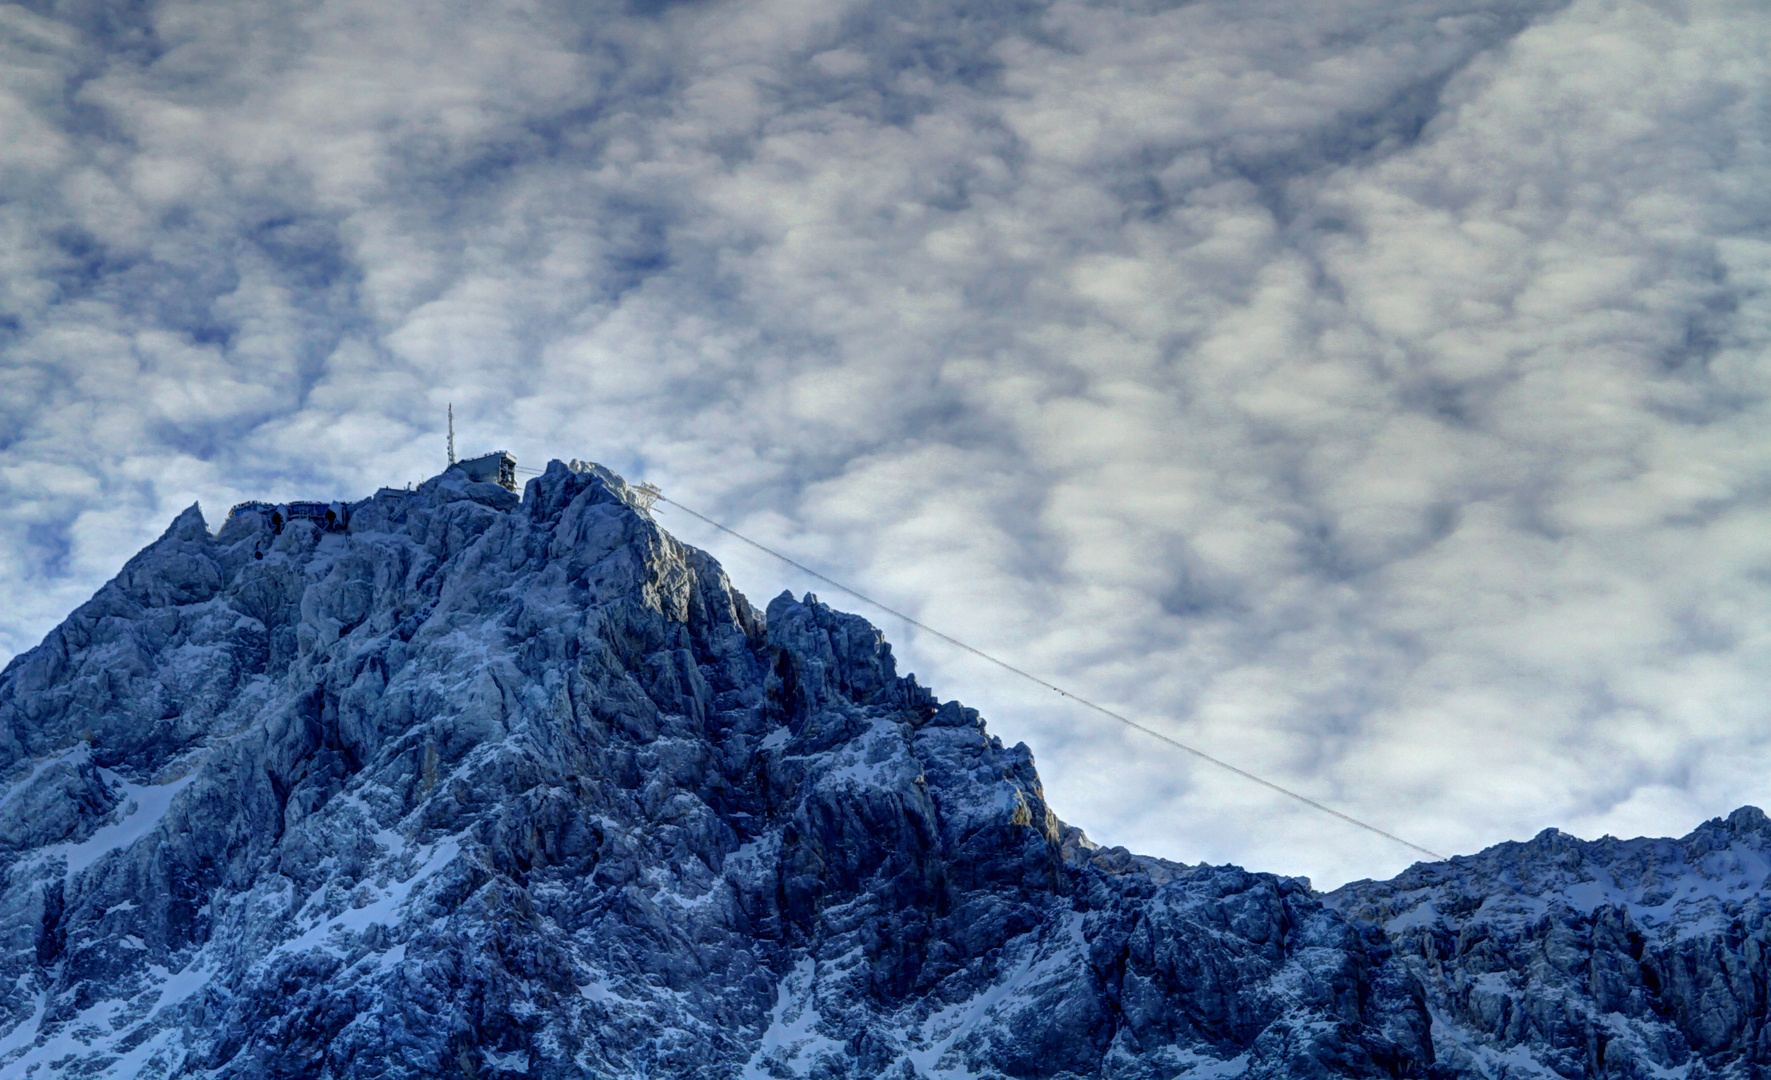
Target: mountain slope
point(488, 786)
point(1618, 958)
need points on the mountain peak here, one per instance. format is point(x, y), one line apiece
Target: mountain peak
point(455, 781)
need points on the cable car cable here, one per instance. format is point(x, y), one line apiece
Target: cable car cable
point(1060, 691)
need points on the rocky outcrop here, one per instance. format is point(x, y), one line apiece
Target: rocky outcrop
point(490, 786)
point(493, 787)
point(1633, 959)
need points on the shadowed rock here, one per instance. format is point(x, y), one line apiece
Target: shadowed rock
point(488, 786)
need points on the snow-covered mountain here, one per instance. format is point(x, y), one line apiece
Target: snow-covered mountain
point(1616, 958)
point(453, 783)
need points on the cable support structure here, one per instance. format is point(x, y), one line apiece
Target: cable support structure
point(1054, 688)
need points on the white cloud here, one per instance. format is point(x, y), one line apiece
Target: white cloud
point(1371, 393)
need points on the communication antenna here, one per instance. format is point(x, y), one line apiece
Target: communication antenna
point(451, 433)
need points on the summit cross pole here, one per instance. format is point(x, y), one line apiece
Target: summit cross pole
point(451, 433)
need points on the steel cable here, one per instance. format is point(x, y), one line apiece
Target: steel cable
point(1060, 691)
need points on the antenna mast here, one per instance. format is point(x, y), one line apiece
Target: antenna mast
point(451, 433)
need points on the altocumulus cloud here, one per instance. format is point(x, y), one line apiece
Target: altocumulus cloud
point(1374, 394)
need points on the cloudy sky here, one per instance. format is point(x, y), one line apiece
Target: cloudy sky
point(1374, 393)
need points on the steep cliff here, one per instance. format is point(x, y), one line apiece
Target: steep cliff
point(493, 787)
point(466, 784)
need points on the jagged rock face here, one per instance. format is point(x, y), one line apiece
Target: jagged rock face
point(1611, 958)
point(493, 787)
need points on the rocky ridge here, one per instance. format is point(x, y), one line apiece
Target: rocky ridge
point(492, 786)
point(1560, 957)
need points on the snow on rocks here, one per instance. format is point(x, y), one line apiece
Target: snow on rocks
point(1564, 957)
point(494, 786)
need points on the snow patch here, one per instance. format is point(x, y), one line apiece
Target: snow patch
point(792, 1044)
point(1209, 1069)
point(1040, 961)
point(93, 1032)
point(510, 1061)
point(383, 910)
point(142, 807)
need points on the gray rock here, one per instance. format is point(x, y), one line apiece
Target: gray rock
point(1613, 958)
point(497, 787)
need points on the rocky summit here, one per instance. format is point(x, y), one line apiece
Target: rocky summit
point(451, 782)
